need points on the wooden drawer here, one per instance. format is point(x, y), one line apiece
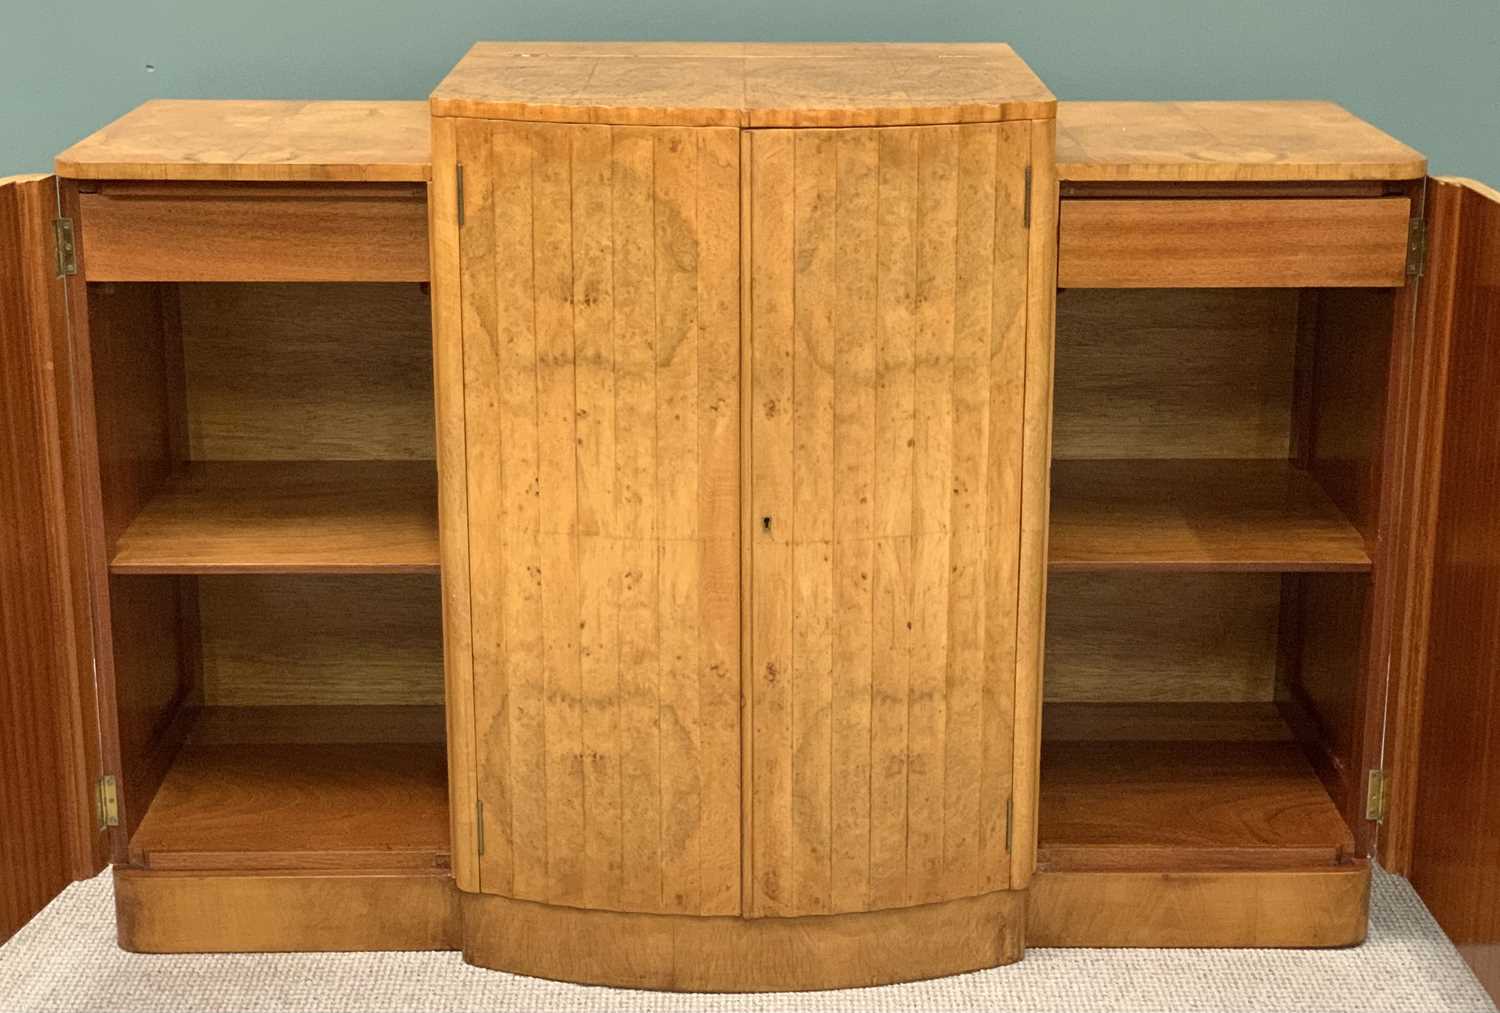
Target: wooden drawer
point(1233, 242)
point(253, 232)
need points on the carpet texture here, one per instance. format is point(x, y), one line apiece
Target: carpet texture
point(66, 960)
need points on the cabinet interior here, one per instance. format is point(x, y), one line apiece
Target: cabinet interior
point(269, 499)
point(1214, 510)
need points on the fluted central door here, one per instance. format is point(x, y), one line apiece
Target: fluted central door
point(601, 348)
point(851, 748)
point(888, 281)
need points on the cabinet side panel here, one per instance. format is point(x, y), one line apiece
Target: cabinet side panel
point(601, 324)
point(1007, 353)
point(451, 323)
point(888, 329)
point(1041, 296)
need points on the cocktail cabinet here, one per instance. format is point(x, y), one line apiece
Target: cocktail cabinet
point(732, 517)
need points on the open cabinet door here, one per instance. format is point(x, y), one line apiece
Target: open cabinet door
point(1446, 810)
point(49, 741)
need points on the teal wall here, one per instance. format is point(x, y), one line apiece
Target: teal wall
point(1427, 72)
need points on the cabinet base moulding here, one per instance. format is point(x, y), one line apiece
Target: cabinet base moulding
point(191, 912)
point(1283, 909)
point(689, 953)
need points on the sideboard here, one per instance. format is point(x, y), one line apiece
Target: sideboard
point(735, 517)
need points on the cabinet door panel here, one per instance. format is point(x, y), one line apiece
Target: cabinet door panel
point(888, 278)
point(1452, 797)
point(48, 722)
point(600, 292)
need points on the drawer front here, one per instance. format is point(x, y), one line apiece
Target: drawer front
point(248, 232)
point(1233, 243)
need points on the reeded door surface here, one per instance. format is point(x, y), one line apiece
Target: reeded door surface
point(888, 280)
point(601, 301)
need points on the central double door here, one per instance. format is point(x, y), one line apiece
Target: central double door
point(744, 419)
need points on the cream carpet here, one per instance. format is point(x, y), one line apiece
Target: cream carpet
point(67, 960)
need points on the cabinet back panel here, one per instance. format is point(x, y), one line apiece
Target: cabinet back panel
point(1174, 373)
point(1161, 638)
point(307, 371)
point(301, 640)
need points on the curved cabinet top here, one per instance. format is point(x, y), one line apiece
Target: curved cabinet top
point(743, 84)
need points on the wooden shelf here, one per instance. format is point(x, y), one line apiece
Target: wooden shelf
point(262, 788)
point(1198, 787)
point(1197, 515)
point(287, 517)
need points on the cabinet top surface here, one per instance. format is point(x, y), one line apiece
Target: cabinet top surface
point(258, 142)
point(743, 84)
point(1225, 142)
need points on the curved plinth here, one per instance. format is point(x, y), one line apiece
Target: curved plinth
point(687, 953)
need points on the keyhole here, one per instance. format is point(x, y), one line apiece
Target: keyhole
point(765, 525)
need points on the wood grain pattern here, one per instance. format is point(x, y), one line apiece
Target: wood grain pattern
point(1454, 854)
point(1187, 515)
point(254, 232)
point(1225, 142)
point(881, 680)
point(742, 85)
point(1178, 373)
point(287, 517)
point(172, 139)
point(307, 372)
point(277, 912)
point(1166, 806)
point(601, 411)
point(50, 753)
point(1161, 637)
point(1206, 243)
point(284, 640)
point(722, 954)
point(1295, 908)
point(301, 805)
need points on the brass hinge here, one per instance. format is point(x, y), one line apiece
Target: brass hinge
point(459, 182)
point(67, 253)
point(1009, 822)
point(107, 802)
point(1416, 248)
point(1377, 795)
point(479, 823)
point(1026, 208)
